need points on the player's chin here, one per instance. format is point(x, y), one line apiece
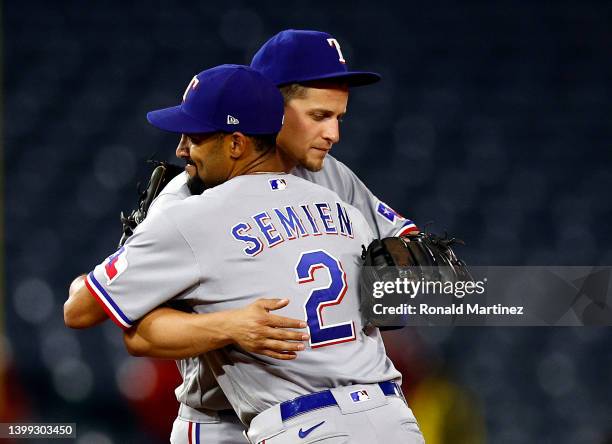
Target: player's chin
point(191, 170)
point(196, 185)
point(314, 162)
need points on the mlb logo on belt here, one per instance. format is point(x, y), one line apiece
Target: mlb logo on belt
point(360, 396)
point(117, 264)
point(278, 184)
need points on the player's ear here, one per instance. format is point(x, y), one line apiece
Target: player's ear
point(238, 144)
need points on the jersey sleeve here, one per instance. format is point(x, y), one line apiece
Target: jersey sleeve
point(155, 265)
point(383, 219)
point(175, 191)
point(363, 230)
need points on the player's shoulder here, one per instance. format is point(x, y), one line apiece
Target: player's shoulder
point(245, 191)
point(211, 201)
point(177, 186)
point(314, 188)
point(188, 206)
point(334, 174)
point(260, 184)
point(176, 190)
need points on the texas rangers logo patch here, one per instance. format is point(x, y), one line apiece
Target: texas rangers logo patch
point(387, 212)
point(115, 265)
point(360, 396)
point(278, 184)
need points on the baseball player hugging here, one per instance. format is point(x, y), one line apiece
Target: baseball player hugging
point(259, 232)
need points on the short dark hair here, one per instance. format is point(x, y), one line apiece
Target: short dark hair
point(293, 91)
point(261, 142)
point(300, 90)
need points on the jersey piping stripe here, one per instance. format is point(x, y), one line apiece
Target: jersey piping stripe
point(408, 227)
point(193, 433)
point(109, 306)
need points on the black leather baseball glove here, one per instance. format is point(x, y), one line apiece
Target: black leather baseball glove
point(162, 174)
point(420, 256)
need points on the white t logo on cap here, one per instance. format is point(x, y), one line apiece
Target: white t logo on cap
point(335, 44)
point(192, 85)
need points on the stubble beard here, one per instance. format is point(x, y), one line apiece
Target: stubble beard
point(194, 183)
point(313, 165)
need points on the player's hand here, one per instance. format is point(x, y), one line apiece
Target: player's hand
point(257, 330)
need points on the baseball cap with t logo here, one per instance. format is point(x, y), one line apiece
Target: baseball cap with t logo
point(297, 56)
point(225, 98)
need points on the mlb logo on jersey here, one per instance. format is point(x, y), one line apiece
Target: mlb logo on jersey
point(387, 212)
point(360, 396)
point(117, 264)
point(278, 184)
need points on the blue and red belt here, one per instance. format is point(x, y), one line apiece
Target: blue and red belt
point(325, 398)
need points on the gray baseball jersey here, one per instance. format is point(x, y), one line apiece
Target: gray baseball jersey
point(199, 389)
point(175, 191)
point(251, 237)
point(335, 175)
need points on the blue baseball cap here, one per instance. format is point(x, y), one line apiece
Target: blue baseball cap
point(294, 56)
point(225, 98)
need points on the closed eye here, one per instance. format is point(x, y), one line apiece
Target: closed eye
point(320, 115)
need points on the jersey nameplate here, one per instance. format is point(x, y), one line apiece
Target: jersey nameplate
point(272, 227)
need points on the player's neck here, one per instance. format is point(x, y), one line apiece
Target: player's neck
point(267, 163)
point(287, 162)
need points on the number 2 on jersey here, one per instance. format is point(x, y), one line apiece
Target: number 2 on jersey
point(319, 298)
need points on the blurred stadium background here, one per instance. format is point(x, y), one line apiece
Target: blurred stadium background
point(493, 120)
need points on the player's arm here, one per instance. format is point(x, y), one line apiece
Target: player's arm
point(171, 334)
point(134, 280)
point(81, 310)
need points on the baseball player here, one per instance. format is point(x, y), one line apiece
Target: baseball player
point(305, 238)
point(312, 111)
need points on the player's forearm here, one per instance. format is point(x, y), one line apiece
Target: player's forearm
point(166, 333)
point(81, 310)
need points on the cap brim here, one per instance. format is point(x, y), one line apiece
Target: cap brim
point(175, 120)
point(352, 78)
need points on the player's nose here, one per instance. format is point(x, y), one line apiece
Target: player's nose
point(182, 150)
point(331, 132)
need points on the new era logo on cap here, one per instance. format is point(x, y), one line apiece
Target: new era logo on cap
point(231, 120)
